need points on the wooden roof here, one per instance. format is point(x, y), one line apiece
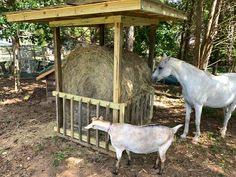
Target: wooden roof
point(130, 12)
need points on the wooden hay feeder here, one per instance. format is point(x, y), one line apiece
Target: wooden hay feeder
point(112, 13)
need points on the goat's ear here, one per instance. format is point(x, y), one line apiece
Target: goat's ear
point(94, 118)
point(164, 55)
point(100, 118)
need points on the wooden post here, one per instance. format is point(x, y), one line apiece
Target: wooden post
point(101, 35)
point(152, 35)
point(58, 72)
point(117, 66)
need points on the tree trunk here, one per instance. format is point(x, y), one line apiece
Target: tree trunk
point(185, 36)
point(210, 34)
point(130, 38)
point(231, 40)
point(16, 60)
point(198, 31)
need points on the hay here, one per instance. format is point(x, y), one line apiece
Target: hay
point(88, 71)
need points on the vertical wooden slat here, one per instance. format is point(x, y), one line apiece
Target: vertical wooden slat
point(151, 106)
point(88, 121)
point(141, 109)
point(107, 135)
point(58, 71)
point(57, 113)
point(133, 112)
point(72, 116)
point(122, 113)
point(97, 115)
point(145, 106)
point(137, 113)
point(80, 120)
point(117, 66)
point(152, 35)
point(64, 115)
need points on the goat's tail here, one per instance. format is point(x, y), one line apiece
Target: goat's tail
point(175, 129)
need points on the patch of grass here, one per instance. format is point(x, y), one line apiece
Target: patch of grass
point(59, 158)
point(39, 147)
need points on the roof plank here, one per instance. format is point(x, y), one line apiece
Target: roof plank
point(147, 8)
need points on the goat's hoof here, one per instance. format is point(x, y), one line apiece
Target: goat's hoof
point(129, 162)
point(155, 167)
point(114, 172)
point(160, 173)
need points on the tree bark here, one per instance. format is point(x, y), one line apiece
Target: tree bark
point(210, 34)
point(198, 31)
point(130, 38)
point(16, 60)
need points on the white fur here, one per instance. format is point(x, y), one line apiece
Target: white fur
point(199, 89)
point(137, 139)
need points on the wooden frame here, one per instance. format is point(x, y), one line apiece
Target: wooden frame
point(139, 8)
point(113, 13)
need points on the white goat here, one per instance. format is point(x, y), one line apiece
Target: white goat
point(138, 139)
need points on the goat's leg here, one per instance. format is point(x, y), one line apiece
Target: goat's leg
point(162, 154)
point(118, 156)
point(198, 112)
point(156, 165)
point(188, 110)
point(228, 112)
point(129, 157)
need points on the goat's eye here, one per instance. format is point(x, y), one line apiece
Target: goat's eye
point(160, 68)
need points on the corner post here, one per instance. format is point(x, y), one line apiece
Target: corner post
point(58, 74)
point(118, 38)
point(152, 39)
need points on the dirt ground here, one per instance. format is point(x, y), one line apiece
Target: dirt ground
point(29, 147)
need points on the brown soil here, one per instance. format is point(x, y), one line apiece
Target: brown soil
point(29, 147)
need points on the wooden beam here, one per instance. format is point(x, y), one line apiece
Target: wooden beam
point(73, 11)
point(86, 21)
point(118, 38)
point(109, 20)
point(58, 72)
point(137, 21)
point(158, 8)
point(88, 100)
point(152, 37)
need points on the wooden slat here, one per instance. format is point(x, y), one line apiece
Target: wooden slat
point(88, 122)
point(145, 106)
point(97, 115)
point(86, 21)
point(80, 119)
point(117, 66)
point(122, 114)
point(72, 116)
point(133, 119)
point(57, 112)
point(151, 106)
point(58, 71)
point(64, 115)
point(141, 109)
point(107, 135)
point(86, 100)
point(137, 113)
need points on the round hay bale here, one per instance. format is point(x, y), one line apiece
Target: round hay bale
point(88, 71)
